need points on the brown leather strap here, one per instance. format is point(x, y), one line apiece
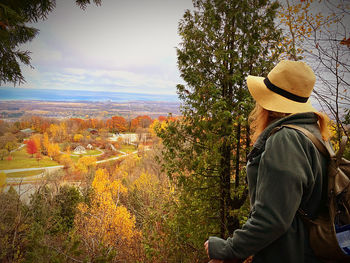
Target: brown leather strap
point(342, 146)
point(319, 145)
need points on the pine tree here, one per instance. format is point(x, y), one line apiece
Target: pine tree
point(222, 42)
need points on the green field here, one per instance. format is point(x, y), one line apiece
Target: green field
point(24, 173)
point(127, 148)
point(88, 152)
point(92, 152)
point(21, 159)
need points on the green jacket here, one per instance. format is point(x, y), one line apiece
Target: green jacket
point(285, 171)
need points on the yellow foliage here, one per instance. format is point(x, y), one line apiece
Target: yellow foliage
point(152, 127)
point(146, 182)
point(106, 221)
point(127, 166)
point(46, 141)
point(65, 160)
point(2, 180)
point(78, 137)
point(85, 163)
point(147, 185)
point(53, 130)
point(157, 126)
point(103, 186)
point(63, 129)
point(301, 22)
point(53, 150)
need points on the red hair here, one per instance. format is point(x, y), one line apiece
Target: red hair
point(260, 118)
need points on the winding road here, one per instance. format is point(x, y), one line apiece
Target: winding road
point(30, 179)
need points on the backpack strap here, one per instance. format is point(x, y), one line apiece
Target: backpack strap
point(324, 148)
point(342, 145)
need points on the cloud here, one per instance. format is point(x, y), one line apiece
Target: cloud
point(120, 45)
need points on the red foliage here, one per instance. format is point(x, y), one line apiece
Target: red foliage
point(162, 118)
point(9, 158)
point(31, 147)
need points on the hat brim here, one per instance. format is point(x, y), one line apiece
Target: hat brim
point(272, 101)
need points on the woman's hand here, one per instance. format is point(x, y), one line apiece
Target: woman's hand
point(206, 246)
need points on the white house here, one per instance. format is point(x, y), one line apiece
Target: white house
point(79, 150)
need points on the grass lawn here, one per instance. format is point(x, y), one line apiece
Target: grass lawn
point(25, 173)
point(128, 148)
point(21, 159)
point(92, 152)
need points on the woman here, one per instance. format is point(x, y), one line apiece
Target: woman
point(285, 171)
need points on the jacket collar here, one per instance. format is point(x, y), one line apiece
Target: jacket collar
point(299, 118)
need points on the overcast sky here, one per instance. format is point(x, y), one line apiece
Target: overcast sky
point(122, 45)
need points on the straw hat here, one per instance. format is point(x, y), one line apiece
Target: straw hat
point(286, 89)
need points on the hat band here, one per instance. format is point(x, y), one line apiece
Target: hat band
point(283, 92)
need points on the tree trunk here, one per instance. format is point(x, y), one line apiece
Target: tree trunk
point(227, 221)
point(238, 146)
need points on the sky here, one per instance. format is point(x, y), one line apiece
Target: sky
point(122, 46)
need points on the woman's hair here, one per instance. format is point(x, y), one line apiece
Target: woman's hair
point(260, 118)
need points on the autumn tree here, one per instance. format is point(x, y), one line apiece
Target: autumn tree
point(162, 118)
point(54, 131)
point(66, 161)
point(31, 147)
point(37, 138)
point(10, 146)
point(140, 122)
point(7, 138)
point(85, 164)
point(106, 221)
point(45, 143)
point(53, 150)
point(78, 137)
point(117, 124)
point(222, 42)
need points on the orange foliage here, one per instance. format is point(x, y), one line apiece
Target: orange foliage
point(162, 118)
point(37, 139)
point(117, 124)
point(140, 122)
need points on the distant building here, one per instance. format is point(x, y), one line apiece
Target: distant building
point(112, 147)
point(89, 146)
point(27, 131)
point(126, 138)
point(129, 138)
point(79, 150)
point(92, 131)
